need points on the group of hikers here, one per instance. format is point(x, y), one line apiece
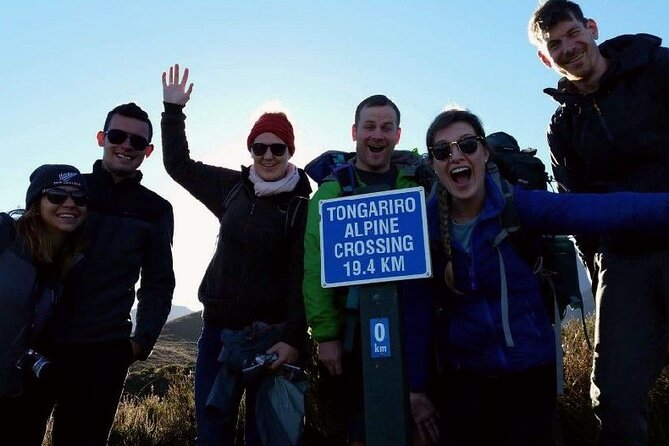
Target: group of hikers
point(480, 345)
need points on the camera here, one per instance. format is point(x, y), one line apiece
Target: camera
point(259, 360)
point(255, 366)
point(36, 363)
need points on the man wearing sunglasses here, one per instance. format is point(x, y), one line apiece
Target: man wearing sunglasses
point(129, 238)
point(376, 131)
point(610, 134)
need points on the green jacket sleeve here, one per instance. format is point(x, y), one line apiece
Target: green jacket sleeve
point(323, 306)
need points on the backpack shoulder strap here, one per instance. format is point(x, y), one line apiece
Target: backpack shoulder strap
point(345, 174)
point(295, 214)
point(234, 191)
point(509, 217)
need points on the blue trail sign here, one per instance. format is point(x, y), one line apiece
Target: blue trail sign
point(377, 237)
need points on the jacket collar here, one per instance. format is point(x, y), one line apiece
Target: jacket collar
point(494, 202)
point(100, 173)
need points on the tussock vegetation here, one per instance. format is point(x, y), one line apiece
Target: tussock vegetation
point(161, 413)
point(157, 408)
point(579, 426)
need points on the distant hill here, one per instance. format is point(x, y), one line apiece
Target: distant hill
point(177, 343)
point(183, 329)
point(176, 312)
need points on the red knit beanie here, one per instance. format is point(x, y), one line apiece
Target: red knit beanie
point(276, 123)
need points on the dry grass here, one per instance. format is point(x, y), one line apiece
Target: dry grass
point(158, 405)
point(579, 426)
point(157, 420)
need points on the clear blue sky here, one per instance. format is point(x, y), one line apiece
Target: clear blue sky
point(65, 64)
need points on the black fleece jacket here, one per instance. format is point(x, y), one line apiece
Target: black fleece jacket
point(130, 230)
point(256, 272)
point(617, 138)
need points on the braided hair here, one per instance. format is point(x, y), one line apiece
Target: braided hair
point(445, 232)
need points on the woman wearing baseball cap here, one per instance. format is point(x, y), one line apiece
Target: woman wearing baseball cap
point(37, 250)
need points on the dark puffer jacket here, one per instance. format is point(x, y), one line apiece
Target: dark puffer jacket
point(28, 293)
point(256, 272)
point(617, 138)
point(17, 282)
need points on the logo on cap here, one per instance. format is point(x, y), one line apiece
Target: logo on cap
point(65, 177)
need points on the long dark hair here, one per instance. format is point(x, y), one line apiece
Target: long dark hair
point(33, 238)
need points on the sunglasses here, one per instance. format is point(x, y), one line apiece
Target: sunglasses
point(259, 149)
point(138, 143)
point(444, 150)
point(59, 196)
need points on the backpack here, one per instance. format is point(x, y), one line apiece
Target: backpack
point(337, 165)
point(555, 259)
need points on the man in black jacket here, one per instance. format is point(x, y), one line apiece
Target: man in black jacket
point(129, 235)
point(610, 134)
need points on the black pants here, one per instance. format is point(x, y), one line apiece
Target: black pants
point(347, 390)
point(83, 392)
point(515, 409)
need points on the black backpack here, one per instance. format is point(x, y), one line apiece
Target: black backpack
point(555, 260)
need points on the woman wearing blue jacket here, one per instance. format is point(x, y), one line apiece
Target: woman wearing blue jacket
point(494, 339)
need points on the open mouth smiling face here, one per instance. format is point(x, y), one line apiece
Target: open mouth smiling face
point(463, 175)
point(376, 134)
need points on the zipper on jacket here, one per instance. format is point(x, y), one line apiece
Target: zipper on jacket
point(602, 121)
point(246, 237)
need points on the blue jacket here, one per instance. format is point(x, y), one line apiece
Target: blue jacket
point(470, 333)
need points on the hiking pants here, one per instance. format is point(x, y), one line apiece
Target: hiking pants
point(212, 429)
point(632, 313)
point(514, 409)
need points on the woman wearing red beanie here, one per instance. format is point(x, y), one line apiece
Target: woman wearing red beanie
point(252, 289)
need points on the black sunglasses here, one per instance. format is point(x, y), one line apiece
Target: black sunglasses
point(443, 151)
point(277, 149)
point(59, 196)
point(138, 143)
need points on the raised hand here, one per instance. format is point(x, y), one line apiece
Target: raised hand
point(174, 92)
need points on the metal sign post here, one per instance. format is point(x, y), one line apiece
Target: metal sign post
point(386, 396)
point(371, 240)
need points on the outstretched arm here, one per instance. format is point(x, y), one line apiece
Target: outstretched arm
point(174, 92)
